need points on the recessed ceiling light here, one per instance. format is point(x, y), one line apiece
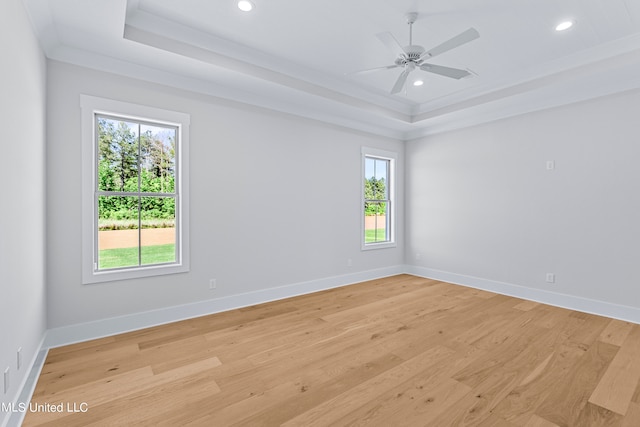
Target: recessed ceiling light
point(565, 25)
point(418, 83)
point(246, 5)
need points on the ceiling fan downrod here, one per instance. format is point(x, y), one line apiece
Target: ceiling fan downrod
point(411, 18)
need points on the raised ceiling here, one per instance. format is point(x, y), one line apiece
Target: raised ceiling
point(297, 56)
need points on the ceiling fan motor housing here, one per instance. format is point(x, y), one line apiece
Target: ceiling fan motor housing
point(412, 54)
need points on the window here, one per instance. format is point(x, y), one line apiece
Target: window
point(135, 194)
point(378, 168)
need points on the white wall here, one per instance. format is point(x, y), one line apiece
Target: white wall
point(482, 205)
point(22, 200)
point(274, 200)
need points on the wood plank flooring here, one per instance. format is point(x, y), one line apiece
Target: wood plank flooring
point(399, 351)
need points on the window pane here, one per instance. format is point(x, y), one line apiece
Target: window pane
point(375, 222)
point(381, 168)
point(376, 178)
point(158, 234)
point(118, 237)
point(158, 158)
point(117, 155)
point(369, 167)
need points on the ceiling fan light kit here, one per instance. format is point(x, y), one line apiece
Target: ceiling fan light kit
point(565, 25)
point(413, 56)
point(246, 5)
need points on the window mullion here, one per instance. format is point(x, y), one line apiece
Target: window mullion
point(139, 157)
point(139, 230)
point(132, 194)
point(139, 194)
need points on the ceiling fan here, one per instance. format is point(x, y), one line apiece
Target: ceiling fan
point(413, 56)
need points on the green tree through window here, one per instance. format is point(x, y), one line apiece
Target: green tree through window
point(136, 195)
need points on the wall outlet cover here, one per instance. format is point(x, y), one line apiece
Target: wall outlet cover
point(6, 381)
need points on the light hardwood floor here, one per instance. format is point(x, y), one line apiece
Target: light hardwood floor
point(399, 351)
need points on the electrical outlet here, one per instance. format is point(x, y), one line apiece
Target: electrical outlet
point(6, 380)
point(417, 255)
point(349, 263)
point(551, 165)
point(19, 358)
point(212, 284)
point(551, 278)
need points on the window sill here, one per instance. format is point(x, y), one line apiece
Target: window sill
point(133, 273)
point(382, 245)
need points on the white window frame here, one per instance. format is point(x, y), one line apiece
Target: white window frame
point(391, 209)
point(90, 107)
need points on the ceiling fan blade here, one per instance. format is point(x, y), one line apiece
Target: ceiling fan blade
point(390, 42)
point(460, 39)
point(369, 70)
point(454, 73)
point(402, 79)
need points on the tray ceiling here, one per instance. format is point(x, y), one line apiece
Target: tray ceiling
point(299, 56)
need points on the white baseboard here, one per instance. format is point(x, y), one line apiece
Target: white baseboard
point(601, 308)
point(25, 391)
point(65, 335)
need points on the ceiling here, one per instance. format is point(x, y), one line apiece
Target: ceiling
point(299, 56)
